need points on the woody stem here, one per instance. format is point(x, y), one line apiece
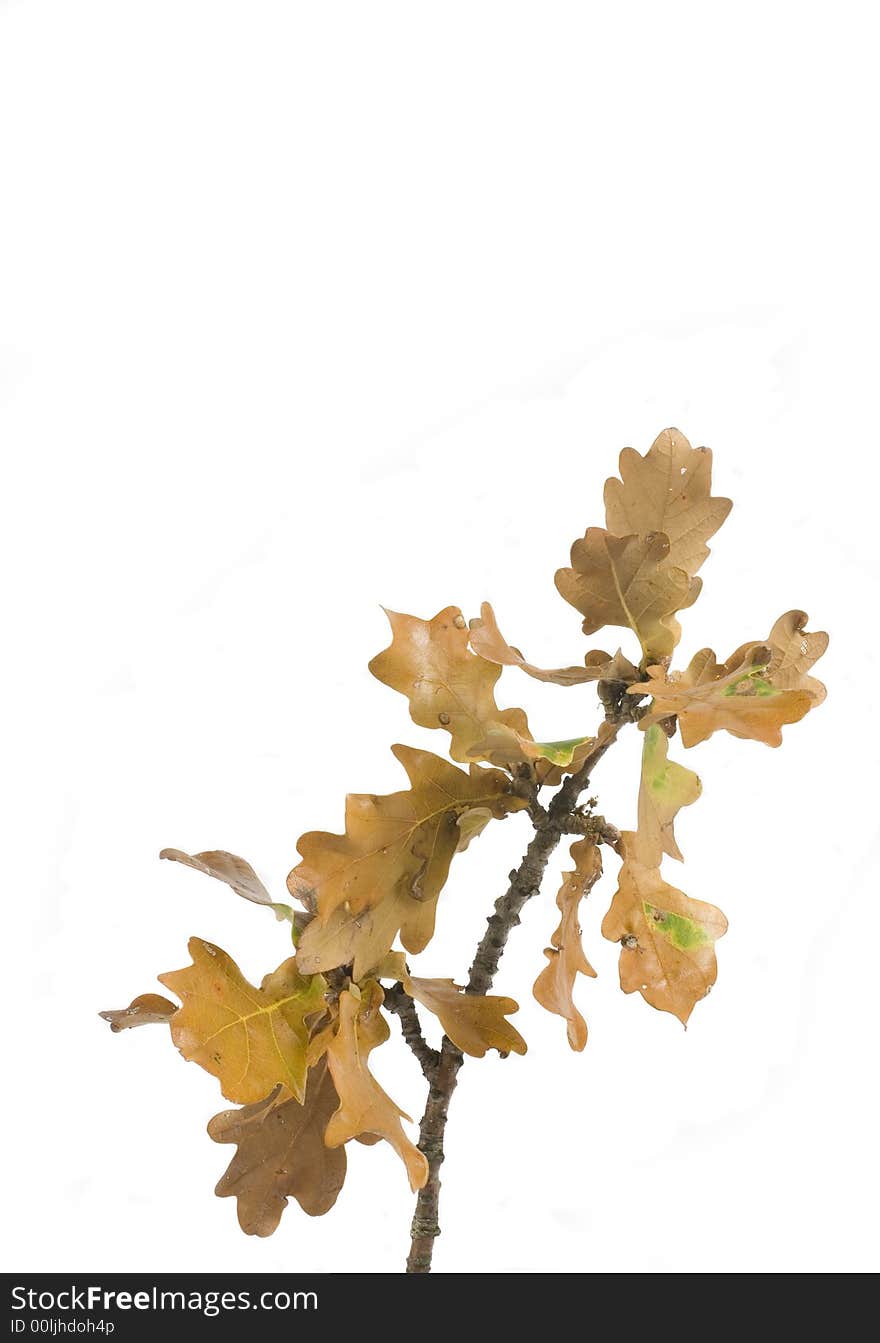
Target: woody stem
point(550, 825)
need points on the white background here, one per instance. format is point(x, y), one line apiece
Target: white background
point(308, 307)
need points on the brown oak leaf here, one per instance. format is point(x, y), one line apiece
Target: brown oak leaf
point(761, 687)
point(281, 1154)
point(401, 843)
point(565, 958)
point(667, 941)
point(250, 1039)
point(474, 1022)
point(488, 641)
point(235, 872)
point(669, 491)
point(147, 1010)
point(363, 1106)
point(628, 581)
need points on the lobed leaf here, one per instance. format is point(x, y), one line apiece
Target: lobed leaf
point(402, 843)
point(475, 1022)
point(667, 940)
point(250, 1039)
point(281, 1154)
point(628, 581)
point(488, 641)
point(760, 688)
point(363, 1106)
point(554, 986)
point(669, 491)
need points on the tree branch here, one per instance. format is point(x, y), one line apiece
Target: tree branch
point(525, 881)
point(397, 1000)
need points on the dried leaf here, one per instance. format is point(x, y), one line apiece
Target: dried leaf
point(401, 843)
point(488, 641)
point(147, 1010)
point(761, 687)
point(628, 581)
point(667, 940)
point(566, 960)
point(665, 787)
point(251, 1039)
point(232, 870)
point(446, 684)
point(361, 940)
point(281, 1154)
point(668, 490)
point(363, 1106)
point(474, 1022)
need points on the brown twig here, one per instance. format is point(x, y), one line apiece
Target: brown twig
point(397, 1000)
point(525, 881)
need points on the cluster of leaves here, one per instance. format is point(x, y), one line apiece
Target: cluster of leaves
point(294, 1053)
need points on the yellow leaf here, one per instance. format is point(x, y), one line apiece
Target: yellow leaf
point(361, 940)
point(667, 941)
point(363, 1106)
point(665, 787)
point(761, 687)
point(566, 960)
point(668, 490)
point(488, 641)
point(475, 1022)
point(628, 581)
point(251, 1039)
point(401, 843)
point(281, 1154)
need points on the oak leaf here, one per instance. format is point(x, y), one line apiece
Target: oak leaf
point(761, 687)
point(147, 1010)
point(446, 684)
point(235, 872)
point(667, 950)
point(668, 490)
point(565, 958)
point(361, 940)
point(363, 1106)
point(475, 1022)
point(488, 641)
point(281, 1154)
point(664, 788)
point(399, 843)
point(628, 581)
point(250, 1039)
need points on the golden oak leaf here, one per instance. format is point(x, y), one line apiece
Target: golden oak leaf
point(401, 843)
point(667, 950)
point(761, 687)
point(281, 1154)
point(235, 872)
point(566, 960)
point(628, 581)
point(665, 787)
point(147, 1010)
point(446, 684)
point(250, 1039)
point(488, 641)
point(363, 1106)
point(668, 490)
point(473, 1021)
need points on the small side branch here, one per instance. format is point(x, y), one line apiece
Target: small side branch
point(397, 1000)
